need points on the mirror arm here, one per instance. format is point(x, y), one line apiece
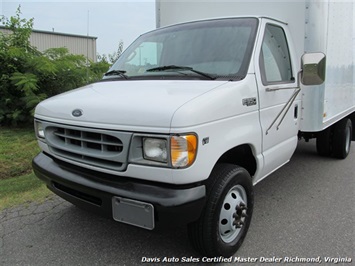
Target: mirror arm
point(292, 99)
point(284, 110)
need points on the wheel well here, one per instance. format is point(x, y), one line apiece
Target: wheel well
point(242, 156)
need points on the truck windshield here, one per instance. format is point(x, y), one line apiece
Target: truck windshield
point(212, 49)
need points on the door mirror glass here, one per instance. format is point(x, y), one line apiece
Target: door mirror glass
point(313, 69)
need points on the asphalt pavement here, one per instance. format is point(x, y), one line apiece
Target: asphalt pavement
point(304, 213)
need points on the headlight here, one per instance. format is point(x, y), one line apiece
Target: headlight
point(175, 151)
point(183, 150)
point(39, 130)
point(155, 149)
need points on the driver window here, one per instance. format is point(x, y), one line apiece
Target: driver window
point(275, 62)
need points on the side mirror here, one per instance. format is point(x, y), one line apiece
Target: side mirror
point(313, 69)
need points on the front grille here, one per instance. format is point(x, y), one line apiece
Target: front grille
point(100, 148)
point(89, 140)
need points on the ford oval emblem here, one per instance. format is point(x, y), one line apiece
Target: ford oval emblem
point(77, 112)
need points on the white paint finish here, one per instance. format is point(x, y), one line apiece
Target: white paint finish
point(279, 142)
point(140, 104)
point(223, 135)
point(207, 108)
point(230, 124)
point(220, 103)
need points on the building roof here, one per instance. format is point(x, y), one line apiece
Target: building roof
point(76, 44)
point(56, 33)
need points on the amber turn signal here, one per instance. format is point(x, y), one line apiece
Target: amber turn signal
point(183, 150)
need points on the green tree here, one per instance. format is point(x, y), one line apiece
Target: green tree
point(15, 54)
point(112, 58)
point(28, 76)
point(69, 71)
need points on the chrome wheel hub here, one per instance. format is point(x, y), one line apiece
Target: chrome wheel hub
point(233, 213)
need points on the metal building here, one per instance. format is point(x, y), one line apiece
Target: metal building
point(76, 44)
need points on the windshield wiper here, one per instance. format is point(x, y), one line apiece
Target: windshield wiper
point(182, 68)
point(120, 73)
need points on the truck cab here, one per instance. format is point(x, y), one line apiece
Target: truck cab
point(181, 127)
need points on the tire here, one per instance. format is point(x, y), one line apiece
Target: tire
point(323, 142)
point(226, 217)
point(342, 133)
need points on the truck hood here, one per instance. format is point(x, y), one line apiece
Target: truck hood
point(123, 104)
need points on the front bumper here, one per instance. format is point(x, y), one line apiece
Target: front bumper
point(94, 191)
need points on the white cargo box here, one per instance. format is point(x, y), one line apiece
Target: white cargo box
point(315, 26)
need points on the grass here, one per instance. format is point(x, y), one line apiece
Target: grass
point(17, 148)
point(18, 184)
point(21, 190)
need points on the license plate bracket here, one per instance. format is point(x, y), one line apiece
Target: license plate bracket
point(133, 212)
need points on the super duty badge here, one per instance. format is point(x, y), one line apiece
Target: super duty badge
point(249, 101)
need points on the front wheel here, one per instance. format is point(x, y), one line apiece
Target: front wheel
point(226, 217)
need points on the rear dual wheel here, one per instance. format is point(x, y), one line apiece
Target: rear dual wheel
point(342, 138)
point(226, 217)
point(335, 140)
point(324, 142)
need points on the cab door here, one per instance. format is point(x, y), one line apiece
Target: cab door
point(279, 101)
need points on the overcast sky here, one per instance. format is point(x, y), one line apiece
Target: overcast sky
point(110, 21)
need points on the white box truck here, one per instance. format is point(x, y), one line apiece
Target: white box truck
point(192, 115)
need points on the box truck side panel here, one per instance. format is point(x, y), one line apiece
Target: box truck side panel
point(339, 98)
point(329, 29)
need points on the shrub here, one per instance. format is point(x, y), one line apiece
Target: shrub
point(28, 76)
